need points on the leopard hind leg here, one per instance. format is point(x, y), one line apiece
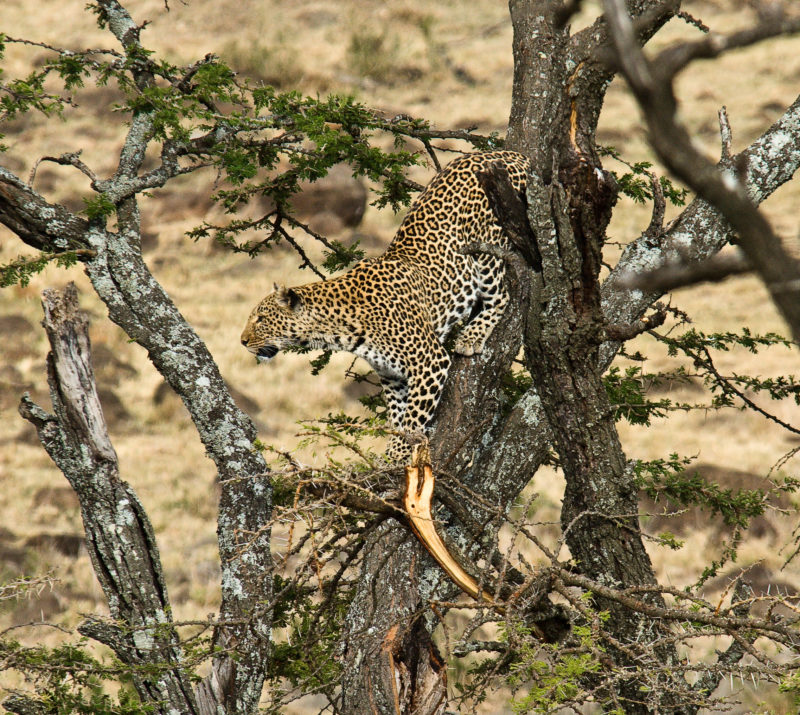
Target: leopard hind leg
point(493, 299)
point(424, 389)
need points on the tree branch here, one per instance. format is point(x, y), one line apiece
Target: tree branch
point(47, 227)
point(672, 276)
point(674, 59)
point(700, 231)
point(70, 159)
point(622, 332)
point(140, 306)
point(131, 576)
point(651, 84)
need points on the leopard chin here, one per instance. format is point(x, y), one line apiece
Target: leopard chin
point(266, 352)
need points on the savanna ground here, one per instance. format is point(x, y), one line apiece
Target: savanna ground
point(451, 63)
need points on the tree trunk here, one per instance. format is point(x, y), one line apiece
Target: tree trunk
point(496, 452)
point(400, 670)
point(140, 306)
point(564, 330)
point(119, 535)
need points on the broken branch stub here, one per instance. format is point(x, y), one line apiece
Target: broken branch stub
point(70, 371)
point(511, 211)
point(417, 501)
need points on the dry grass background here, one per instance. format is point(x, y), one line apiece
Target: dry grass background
point(448, 61)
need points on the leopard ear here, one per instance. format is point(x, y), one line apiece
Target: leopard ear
point(287, 297)
point(294, 299)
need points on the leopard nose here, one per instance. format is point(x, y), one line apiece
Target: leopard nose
point(244, 342)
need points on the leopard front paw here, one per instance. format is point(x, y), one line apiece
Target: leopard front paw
point(464, 345)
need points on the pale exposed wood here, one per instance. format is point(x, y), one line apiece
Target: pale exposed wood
point(131, 577)
point(417, 501)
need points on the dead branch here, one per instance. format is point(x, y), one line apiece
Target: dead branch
point(651, 83)
point(623, 332)
point(69, 159)
point(656, 226)
point(674, 59)
point(119, 535)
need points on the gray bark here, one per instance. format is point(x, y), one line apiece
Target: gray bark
point(119, 535)
point(401, 671)
point(651, 83)
point(563, 332)
point(138, 304)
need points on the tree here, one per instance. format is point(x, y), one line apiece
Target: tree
point(598, 627)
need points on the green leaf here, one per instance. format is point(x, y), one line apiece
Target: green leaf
point(98, 207)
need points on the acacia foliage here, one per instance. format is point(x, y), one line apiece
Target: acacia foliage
point(258, 140)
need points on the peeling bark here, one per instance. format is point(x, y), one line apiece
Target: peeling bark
point(119, 535)
point(392, 665)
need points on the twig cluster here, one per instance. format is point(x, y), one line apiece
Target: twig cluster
point(651, 81)
point(328, 516)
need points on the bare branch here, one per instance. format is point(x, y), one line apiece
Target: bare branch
point(656, 226)
point(673, 59)
point(622, 332)
point(70, 159)
point(651, 85)
point(679, 275)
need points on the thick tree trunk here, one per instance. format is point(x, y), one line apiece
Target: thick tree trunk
point(553, 119)
point(564, 330)
point(400, 670)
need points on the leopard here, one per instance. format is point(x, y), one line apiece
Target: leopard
point(397, 311)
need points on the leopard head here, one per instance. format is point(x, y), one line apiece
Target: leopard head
point(277, 322)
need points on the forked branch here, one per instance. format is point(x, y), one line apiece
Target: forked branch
point(651, 83)
point(120, 538)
